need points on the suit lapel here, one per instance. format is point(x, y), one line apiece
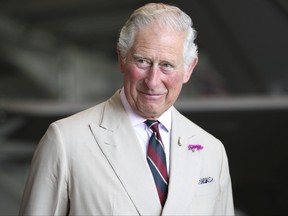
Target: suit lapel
point(121, 147)
point(181, 171)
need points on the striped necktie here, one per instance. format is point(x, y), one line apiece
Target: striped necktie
point(157, 161)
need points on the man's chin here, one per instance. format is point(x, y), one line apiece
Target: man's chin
point(151, 112)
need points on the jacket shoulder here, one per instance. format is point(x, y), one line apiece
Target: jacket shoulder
point(83, 117)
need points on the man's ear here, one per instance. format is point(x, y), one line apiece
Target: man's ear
point(190, 69)
point(120, 60)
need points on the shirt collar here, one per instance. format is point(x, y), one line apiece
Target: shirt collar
point(136, 119)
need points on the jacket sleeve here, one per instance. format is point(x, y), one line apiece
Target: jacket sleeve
point(46, 190)
point(226, 206)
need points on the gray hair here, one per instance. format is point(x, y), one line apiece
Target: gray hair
point(164, 15)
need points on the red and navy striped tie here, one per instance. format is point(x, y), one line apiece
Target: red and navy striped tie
point(157, 161)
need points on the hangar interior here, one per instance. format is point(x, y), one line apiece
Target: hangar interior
point(58, 57)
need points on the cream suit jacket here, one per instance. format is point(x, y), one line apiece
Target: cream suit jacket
point(92, 164)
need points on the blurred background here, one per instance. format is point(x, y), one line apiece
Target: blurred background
point(58, 57)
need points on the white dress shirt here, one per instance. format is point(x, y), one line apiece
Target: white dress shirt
point(144, 133)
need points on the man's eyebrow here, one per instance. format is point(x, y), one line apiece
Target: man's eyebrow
point(135, 56)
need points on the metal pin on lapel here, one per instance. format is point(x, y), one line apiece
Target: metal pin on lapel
point(179, 141)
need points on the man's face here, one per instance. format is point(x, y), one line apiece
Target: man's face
point(154, 71)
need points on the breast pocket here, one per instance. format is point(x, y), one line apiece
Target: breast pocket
point(207, 186)
point(205, 198)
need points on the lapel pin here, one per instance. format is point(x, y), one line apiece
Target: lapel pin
point(179, 141)
point(195, 147)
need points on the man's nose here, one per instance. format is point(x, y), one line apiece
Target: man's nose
point(153, 77)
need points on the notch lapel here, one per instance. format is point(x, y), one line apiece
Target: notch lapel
point(118, 142)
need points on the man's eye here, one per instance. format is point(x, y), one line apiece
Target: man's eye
point(166, 67)
point(142, 63)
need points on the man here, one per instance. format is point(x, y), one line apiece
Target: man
point(108, 160)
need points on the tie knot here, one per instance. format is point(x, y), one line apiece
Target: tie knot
point(153, 124)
